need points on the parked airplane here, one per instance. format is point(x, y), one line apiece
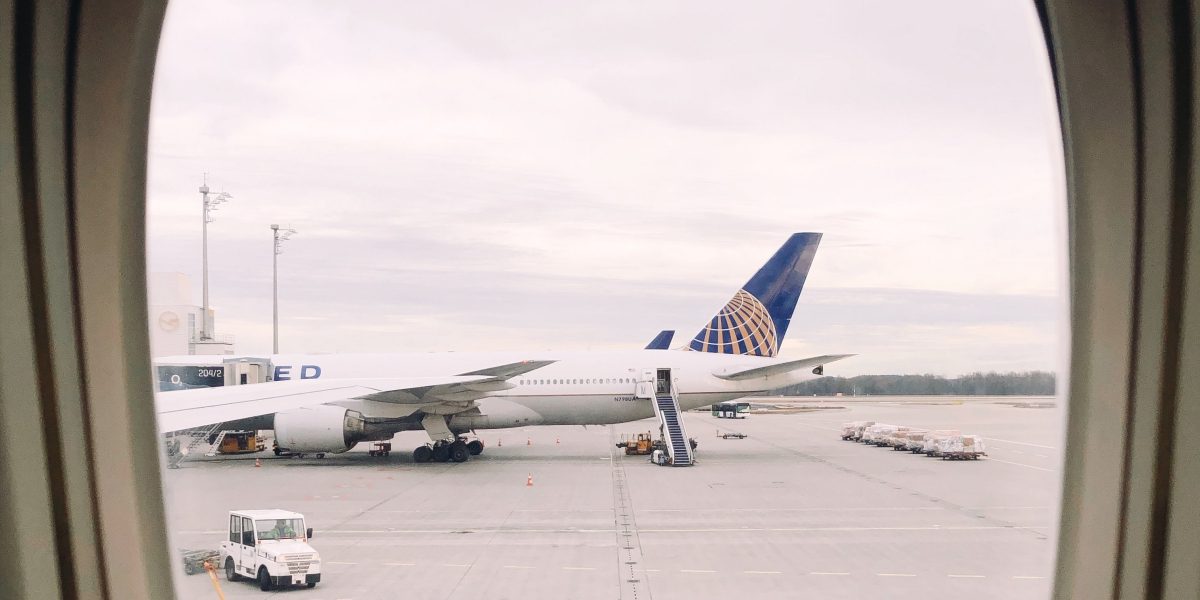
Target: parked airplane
point(328, 403)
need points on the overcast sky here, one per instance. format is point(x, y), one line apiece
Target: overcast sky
point(542, 176)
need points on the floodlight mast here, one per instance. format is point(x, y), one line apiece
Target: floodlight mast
point(281, 236)
point(210, 205)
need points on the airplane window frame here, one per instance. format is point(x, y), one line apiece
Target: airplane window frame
point(72, 227)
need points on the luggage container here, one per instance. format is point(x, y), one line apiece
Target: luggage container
point(915, 441)
point(961, 447)
point(898, 438)
point(930, 444)
point(878, 434)
point(853, 430)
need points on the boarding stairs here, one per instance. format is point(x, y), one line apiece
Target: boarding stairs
point(666, 408)
point(196, 438)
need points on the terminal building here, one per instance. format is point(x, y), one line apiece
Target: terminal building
point(178, 326)
point(187, 350)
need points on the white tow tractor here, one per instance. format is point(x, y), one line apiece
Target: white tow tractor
point(270, 547)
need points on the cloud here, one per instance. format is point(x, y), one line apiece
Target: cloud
point(552, 176)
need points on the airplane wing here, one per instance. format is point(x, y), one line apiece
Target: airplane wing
point(185, 409)
point(781, 367)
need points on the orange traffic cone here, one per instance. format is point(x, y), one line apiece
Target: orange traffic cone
point(258, 462)
point(528, 441)
point(499, 442)
point(529, 480)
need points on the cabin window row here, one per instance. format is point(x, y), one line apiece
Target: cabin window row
point(600, 380)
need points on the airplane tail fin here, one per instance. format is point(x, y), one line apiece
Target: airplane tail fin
point(662, 341)
point(755, 320)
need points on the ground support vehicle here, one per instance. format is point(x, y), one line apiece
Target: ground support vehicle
point(239, 442)
point(733, 436)
point(640, 445)
point(380, 449)
point(270, 547)
point(730, 410)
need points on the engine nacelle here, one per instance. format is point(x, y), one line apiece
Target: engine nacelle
point(323, 428)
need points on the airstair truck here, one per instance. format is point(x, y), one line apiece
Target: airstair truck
point(270, 547)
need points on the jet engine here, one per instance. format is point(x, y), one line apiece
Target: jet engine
point(323, 428)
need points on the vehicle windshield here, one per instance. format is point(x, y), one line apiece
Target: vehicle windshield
point(279, 529)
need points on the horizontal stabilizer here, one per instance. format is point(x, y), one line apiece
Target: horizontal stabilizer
point(782, 367)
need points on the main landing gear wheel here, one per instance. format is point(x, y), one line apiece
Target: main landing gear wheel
point(475, 447)
point(459, 452)
point(441, 453)
point(422, 454)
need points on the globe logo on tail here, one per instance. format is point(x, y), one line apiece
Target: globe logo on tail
point(744, 326)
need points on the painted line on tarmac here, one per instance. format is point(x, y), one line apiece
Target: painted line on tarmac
point(1020, 443)
point(990, 459)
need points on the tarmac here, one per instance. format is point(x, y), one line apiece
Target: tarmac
point(791, 511)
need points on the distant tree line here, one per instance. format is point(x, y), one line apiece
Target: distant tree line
point(1029, 383)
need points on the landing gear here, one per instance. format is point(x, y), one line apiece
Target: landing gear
point(459, 450)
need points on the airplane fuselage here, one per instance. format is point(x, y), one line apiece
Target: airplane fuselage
point(579, 388)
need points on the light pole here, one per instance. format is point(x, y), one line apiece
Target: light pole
point(210, 205)
point(281, 236)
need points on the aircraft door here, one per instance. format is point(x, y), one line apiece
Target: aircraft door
point(645, 385)
point(662, 383)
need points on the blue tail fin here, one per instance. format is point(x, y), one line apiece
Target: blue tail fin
point(756, 319)
point(662, 341)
